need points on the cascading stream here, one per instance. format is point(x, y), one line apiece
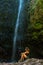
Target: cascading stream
point(16, 29)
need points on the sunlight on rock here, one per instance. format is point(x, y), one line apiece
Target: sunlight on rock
point(24, 64)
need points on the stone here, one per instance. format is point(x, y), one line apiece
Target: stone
point(31, 61)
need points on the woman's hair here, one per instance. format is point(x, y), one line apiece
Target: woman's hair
point(27, 49)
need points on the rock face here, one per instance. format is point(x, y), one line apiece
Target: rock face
point(8, 15)
point(27, 62)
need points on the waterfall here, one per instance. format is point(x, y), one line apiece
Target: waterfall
point(16, 29)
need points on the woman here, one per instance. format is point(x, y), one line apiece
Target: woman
point(24, 54)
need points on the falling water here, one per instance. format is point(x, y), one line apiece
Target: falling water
point(16, 29)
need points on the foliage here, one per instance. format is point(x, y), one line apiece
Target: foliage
point(36, 18)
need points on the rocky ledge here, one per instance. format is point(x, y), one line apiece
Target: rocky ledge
point(31, 61)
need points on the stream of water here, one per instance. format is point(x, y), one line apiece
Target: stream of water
point(16, 29)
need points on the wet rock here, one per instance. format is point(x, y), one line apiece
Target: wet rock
point(31, 61)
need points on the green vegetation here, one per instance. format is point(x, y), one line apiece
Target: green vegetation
point(35, 26)
point(36, 19)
